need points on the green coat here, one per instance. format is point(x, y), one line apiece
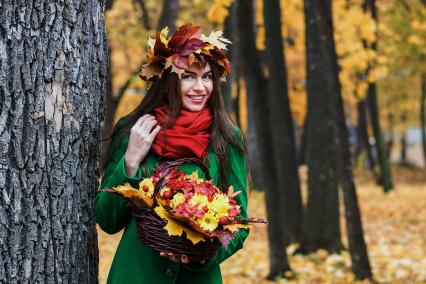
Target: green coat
point(134, 262)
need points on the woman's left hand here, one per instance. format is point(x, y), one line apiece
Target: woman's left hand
point(173, 257)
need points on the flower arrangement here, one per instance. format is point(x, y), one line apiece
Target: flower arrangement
point(192, 207)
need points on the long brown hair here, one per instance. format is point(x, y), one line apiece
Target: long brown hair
point(166, 91)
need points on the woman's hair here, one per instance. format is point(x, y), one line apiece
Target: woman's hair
point(166, 91)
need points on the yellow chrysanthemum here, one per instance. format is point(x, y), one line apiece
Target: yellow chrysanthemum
point(209, 221)
point(178, 199)
point(199, 199)
point(149, 183)
point(219, 205)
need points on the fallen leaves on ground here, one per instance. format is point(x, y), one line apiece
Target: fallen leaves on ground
point(394, 230)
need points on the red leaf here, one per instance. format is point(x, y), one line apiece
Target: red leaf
point(224, 236)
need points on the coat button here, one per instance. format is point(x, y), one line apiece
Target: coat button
point(170, 272)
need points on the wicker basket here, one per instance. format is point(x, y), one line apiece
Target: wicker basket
point(150, 225)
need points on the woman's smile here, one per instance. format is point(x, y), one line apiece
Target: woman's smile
point(196, 86)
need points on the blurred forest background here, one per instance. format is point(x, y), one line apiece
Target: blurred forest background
point(331, 96)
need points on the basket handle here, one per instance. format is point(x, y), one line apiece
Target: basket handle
point(168, 166)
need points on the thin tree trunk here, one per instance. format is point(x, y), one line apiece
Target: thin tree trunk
point(363, 143)
point(321, 222)
point(229, 31)
point(358, 250)
point(282, 123)
point(385, 169)
point(423, 116)
point(254, 158)
point(256, 86)
point(386, 177)
point(53, 68)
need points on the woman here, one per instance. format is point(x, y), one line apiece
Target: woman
point(182, 115)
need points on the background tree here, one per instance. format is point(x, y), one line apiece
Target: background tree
point(282, 123)
point(52, 82)
point(256, 85)
point(386, 175)
point(321, 222)
point(319, 19)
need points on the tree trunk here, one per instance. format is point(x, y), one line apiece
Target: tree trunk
point(282, 123)
point(403, 155)
point(386, 177)
point(229, 31)
point(256, 86)
point(53, 68)
point(423, 116)
point(385, 170)
point(358, 250)
point(363, 143)
point(321, 222)
point(254, 159)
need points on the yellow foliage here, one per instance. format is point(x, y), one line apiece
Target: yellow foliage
point(217, 13)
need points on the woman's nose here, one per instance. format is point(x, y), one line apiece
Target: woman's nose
point(198, 84)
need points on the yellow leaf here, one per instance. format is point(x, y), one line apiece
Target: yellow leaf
point(173, 228)
point(193, 236)
point(163, 36)
point(161, 212)
point(236, 227)
point(133, 194)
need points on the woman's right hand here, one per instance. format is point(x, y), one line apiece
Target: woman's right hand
point(142, 135)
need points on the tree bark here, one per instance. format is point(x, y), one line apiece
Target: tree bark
point(321, 222)
point(423, 116)
point(53, 68)
point(256, 86)
point(385, 170)
point(358, 250)
point(363, 143)
point(386, 177)
point(282, 123)
point(229, 32)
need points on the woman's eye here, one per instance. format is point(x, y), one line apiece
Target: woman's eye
point(187, 76)
point(208, 77)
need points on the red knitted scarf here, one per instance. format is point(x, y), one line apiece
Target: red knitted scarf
point(188, 137)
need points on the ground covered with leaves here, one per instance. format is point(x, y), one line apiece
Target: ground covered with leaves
point(394, 229)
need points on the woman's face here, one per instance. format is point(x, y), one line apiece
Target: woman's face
point(196, 87)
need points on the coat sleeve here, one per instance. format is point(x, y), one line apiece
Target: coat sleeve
point(238, 179)
point(110, 210)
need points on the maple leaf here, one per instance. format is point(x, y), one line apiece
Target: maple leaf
point(163, 36)
point(231, 192)
point(216, 39)
point(224, 237)
point(193, 236)
point(236, 227)
point(173, 228)
point(151, 43)
point(134, 196)
point(178, 71)
point(150, 70)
